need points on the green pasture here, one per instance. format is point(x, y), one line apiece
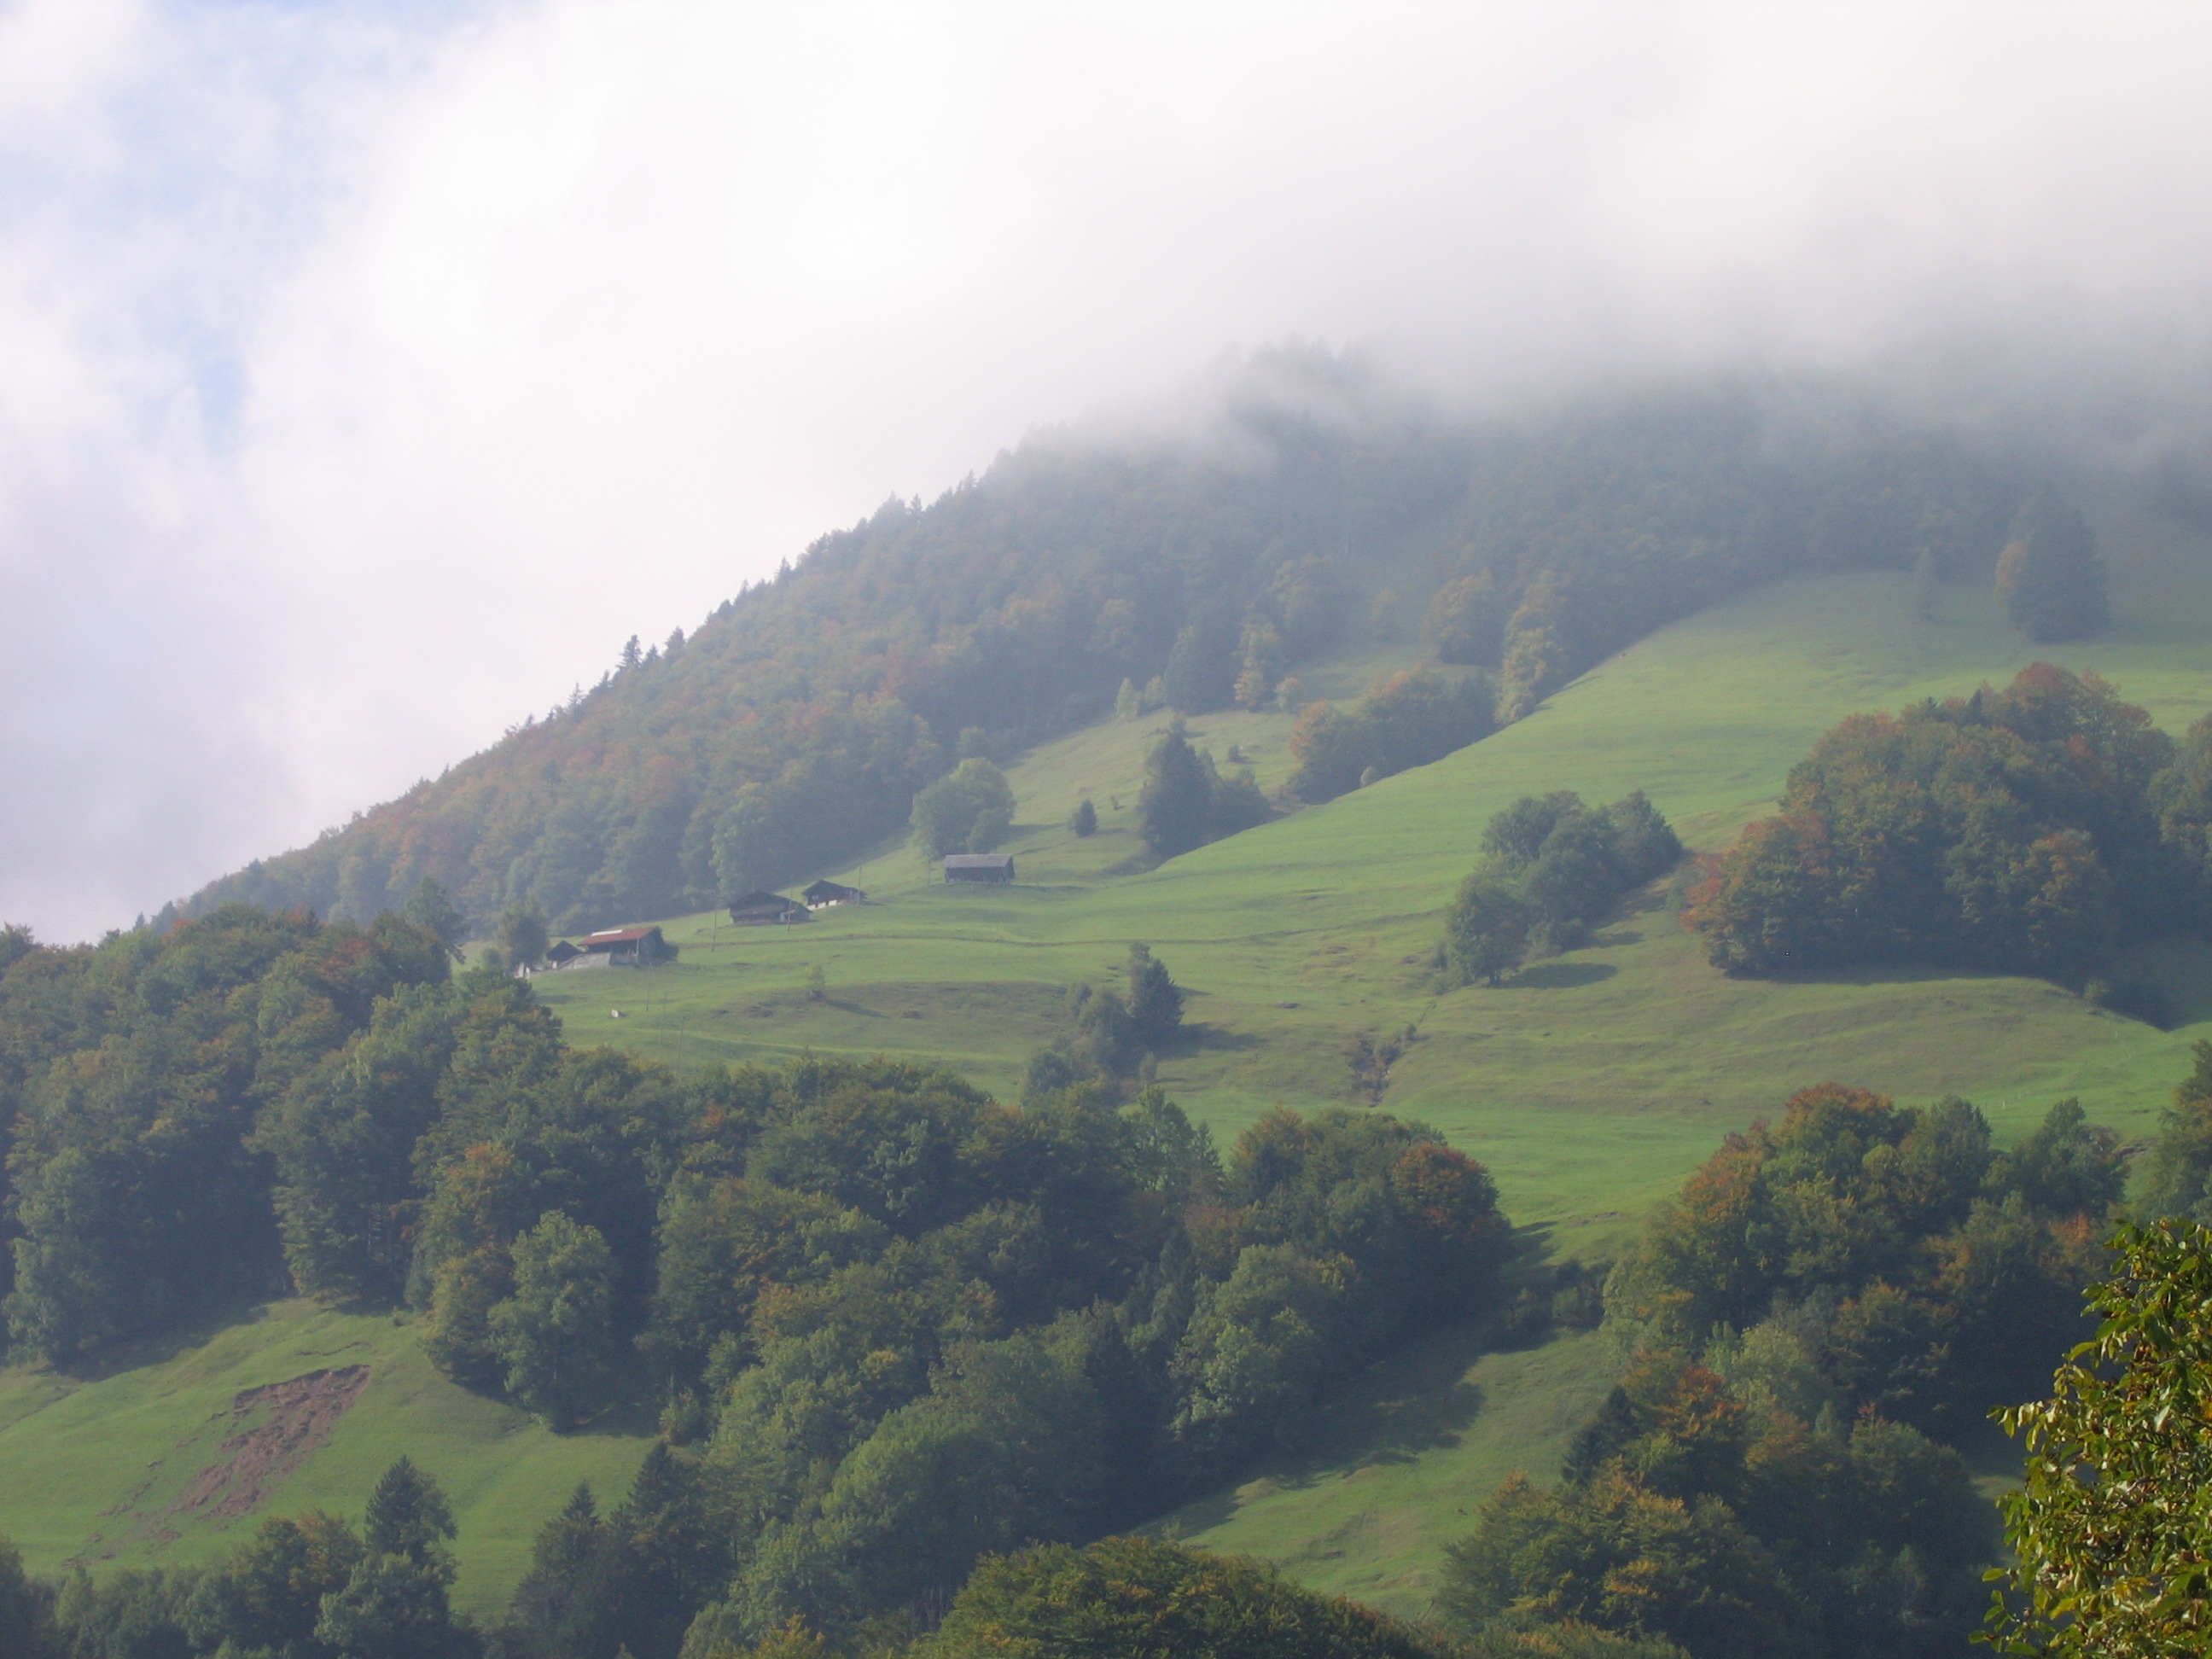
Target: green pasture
point(1590, 1084)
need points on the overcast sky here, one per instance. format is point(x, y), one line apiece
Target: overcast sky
point(369, 373)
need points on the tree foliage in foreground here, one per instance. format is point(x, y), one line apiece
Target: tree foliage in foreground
point(2113, 1541)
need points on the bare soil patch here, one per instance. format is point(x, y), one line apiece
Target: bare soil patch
point(273, 1430)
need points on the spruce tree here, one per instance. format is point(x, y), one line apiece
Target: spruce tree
point(1083, 820)
point(2051, 578)
point(430, 906)
point(407, 1516)
point(1178, 797)
point(1155, 999)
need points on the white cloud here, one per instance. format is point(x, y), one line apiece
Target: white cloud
point(368, 376)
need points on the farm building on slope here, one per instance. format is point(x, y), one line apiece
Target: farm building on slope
point(823, 893)
point(767, 911)
point(626, 947)
point(980, 866)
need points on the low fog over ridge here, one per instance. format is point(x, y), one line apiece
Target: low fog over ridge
point(371, 380)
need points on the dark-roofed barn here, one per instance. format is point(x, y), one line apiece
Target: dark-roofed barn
point(628, 947)
point(767, 911)
point(825, 893)
point(980, 866)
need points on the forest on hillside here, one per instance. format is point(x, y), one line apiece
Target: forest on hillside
point(794, 727)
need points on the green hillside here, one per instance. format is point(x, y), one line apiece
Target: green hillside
point(1589, 1084)
point(1649, 1054)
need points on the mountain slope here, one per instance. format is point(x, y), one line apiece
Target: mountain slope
point(1649, 1053)
point(1589, 1086)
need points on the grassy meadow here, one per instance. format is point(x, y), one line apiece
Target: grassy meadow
point(1589, 1084)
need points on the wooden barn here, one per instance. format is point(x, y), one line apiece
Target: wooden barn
point(628, 947)
point(980, 866)
point(561, 954)
point(823, 893)
point(767, 911)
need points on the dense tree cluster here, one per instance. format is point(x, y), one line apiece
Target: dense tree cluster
point(2175, 1180)
point(1185, 802)
point(1406, 720)
point(1827, 1299)
point(1552, 867)
point(2027, 830)
point(796, 725)
point(1716, 1517)
point(1891, 1251)
point(929, 1373)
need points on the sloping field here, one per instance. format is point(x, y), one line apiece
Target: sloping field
point(174, 1462)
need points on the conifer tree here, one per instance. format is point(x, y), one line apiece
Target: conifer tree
point(1176, 800)
point(2051, 578)
point(1155, 999)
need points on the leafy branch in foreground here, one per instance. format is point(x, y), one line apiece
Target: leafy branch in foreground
point(2113, 1528)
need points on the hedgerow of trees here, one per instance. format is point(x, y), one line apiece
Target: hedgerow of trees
point(1406, 720)
point(1552, 867)
point(2027, 830)
point(1827, 1301)
point(797, 723)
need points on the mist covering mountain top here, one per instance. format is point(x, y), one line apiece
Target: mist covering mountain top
point(792, 728)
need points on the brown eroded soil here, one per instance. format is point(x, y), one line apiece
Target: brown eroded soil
point(268, 1432)
point(273, 1428)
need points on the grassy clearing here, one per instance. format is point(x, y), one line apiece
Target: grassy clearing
point(1399, 1471)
